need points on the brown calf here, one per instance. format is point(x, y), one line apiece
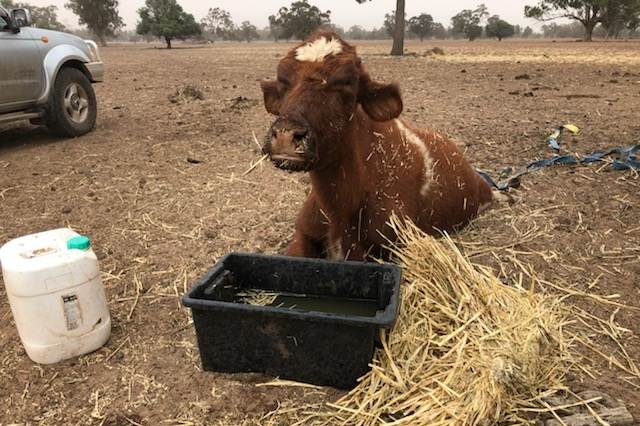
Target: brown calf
point(365, 162)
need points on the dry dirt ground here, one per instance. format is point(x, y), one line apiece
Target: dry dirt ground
point(159, 187)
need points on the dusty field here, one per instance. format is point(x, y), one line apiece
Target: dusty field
point(158, 221)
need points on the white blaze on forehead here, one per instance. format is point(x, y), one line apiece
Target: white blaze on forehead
point(415, 140)
point(318, 49)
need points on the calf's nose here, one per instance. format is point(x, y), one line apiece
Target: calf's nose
point(284, 141)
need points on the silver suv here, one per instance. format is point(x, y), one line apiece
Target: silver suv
point(46, 76)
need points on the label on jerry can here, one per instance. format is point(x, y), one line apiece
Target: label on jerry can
point(72, 313)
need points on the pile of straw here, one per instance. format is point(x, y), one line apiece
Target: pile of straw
point(466, 349)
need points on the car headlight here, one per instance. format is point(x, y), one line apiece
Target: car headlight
point(94, 54)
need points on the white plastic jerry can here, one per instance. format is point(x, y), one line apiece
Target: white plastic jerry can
point(55, 293)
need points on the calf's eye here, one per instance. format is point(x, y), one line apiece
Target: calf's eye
point(343, 83)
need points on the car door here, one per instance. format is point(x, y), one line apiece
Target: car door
point(21, 69)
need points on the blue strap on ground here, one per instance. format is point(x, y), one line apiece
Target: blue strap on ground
point(626, 159)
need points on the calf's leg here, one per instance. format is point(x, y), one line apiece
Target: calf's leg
point(303, 245)
point(310, 230)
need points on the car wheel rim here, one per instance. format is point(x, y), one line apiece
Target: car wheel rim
point(76, 103)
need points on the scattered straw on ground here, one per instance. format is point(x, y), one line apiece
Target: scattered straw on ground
point(466, 349)
point(187, 93)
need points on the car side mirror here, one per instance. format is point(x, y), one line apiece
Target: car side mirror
point(21, 17)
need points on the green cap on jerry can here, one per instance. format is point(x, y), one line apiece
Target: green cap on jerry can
point(79, 243)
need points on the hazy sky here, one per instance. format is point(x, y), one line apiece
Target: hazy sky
point(343, 12)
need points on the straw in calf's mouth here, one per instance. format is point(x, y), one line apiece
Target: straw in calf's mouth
point(284, 157)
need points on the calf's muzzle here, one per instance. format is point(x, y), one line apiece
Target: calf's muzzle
point(289, 145)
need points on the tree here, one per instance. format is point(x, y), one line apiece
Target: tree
point(218, 24)
point(398, 33)
point(335, 28)
point(474, 32)
point(276, 31)
point(356, 32)
point(527, 32)
point(247, 32)
point(299, 20)
point(377, 34)
point(421, 25)
point(569, 30)
point(166, 19)
point(499, 28)
point(439, 31)
point(634, 24)
point(100, 16)
point(45, 17)
point(468, 21)
point(620, 15)
point(518, 30)
point(398, 36)
point(589, 13)
point(390, 23)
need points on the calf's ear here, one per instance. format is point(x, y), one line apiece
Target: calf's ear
point(382, 102)
point(272, 97)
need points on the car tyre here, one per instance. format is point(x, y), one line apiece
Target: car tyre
point(72, 108)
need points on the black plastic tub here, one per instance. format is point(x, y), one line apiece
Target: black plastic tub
point(321, 329)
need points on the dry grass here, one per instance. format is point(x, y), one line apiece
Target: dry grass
point(523, 51)
point(159, 221)
point(258, 297)
point(187, 93)
point(466, 349)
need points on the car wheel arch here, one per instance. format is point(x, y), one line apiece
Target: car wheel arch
point(57, 58)
point(74, 63)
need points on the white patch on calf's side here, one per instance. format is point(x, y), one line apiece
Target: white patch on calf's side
point(410, 136)
point(318, 49)
point(335, 251)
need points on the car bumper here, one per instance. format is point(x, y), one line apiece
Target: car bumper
point(96, 69)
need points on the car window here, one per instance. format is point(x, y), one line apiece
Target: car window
point(3, 23)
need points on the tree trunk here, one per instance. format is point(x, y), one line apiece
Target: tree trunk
point(588, 30)
point(398, 36)
point(590, 21)
point(168, 40)
point(499, 38)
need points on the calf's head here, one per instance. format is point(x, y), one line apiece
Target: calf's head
point(318, 89)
